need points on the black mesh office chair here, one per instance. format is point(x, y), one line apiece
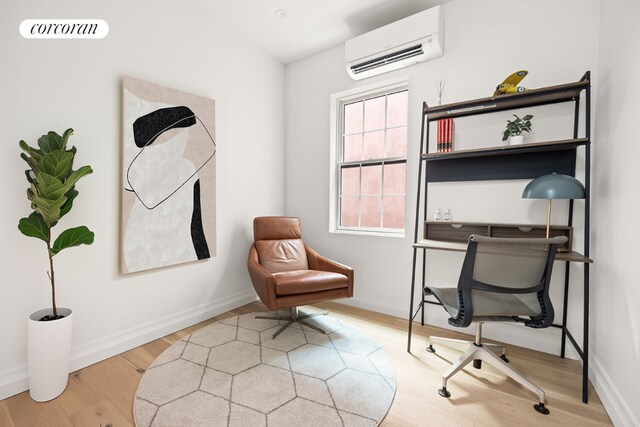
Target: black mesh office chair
point(502, 279)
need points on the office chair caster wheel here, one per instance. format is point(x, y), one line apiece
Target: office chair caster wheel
point(477, 363)
point(503, 357)
point(430, 349)
point(445, 393)
point(541, 408)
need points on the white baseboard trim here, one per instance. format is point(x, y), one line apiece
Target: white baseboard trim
point(617, 409)
point(15, 380)
point(369, 303)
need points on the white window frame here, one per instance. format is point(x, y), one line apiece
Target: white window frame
point(337, 101)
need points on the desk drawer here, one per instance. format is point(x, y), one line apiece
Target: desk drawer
point(451, 231)
point(533, 231)
point(460, 231)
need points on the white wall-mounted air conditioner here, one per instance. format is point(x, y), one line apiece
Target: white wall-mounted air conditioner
point(411, 40)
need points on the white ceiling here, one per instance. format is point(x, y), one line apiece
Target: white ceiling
point(311, 25)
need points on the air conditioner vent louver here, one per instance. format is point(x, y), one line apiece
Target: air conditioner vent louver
point(412, 40)
point(388, 59)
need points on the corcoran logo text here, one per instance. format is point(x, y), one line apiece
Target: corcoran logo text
point(64, 29)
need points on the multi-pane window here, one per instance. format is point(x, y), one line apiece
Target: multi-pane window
point(372, 162)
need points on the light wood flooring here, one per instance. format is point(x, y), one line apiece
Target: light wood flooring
point(101, 395)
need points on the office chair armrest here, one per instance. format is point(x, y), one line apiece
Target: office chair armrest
point(320, 263)
point(262, 279)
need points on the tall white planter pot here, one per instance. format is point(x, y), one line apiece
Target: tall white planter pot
point(49, 354)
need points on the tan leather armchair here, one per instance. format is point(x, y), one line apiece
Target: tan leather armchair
point(286, 273)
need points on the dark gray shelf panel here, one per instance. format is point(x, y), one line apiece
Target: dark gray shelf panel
point(511, 165)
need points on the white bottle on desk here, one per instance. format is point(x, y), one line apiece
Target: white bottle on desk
point(447, 216)
point(438, 216)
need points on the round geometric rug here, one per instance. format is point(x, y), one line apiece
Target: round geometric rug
point(231, 373)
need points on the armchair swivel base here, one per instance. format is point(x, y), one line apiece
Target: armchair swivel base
point(295, 317)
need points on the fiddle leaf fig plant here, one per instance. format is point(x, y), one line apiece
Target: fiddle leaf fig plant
point(517, 126)
point(51, 192)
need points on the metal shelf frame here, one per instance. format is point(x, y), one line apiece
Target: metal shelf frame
point(527, 161)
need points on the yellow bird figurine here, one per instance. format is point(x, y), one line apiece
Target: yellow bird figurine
point(510, 84)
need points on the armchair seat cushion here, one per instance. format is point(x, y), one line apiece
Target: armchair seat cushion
point(308, 281)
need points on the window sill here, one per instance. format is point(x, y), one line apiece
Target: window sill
point(396, 234)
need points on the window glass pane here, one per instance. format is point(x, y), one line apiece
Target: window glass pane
point(373, 129)
point(371, 180)
point(353, 118)
point(393, 212)
point(350, 181)
point(394, 178)
point(374, 145)
point(371, 211)
point(397, 142)
point(374, 113)
point(349, 212)
point(397, 104)
point(353, 147)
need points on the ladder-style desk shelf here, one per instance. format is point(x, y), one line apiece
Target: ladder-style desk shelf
point(526, 161)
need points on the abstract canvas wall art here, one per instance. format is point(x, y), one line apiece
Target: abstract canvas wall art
point(169, 177)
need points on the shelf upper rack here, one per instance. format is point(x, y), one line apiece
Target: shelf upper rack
point(531, 98)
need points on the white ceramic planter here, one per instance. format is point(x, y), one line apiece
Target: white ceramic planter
point(516, 140)
point(49, 354)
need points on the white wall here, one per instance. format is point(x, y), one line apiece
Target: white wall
point(55, 84)
point(485, 41)
point(616, 293)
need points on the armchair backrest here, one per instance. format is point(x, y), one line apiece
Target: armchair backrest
point(278, 241)
point(515, 266)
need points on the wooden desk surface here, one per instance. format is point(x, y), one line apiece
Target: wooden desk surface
point(443, 245)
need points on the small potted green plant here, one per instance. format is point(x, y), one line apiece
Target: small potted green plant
point(52, 191)
point(515, 128)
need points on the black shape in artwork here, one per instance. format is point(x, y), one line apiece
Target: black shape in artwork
point(197, 232)
point(149, 127)
point(176, 124)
